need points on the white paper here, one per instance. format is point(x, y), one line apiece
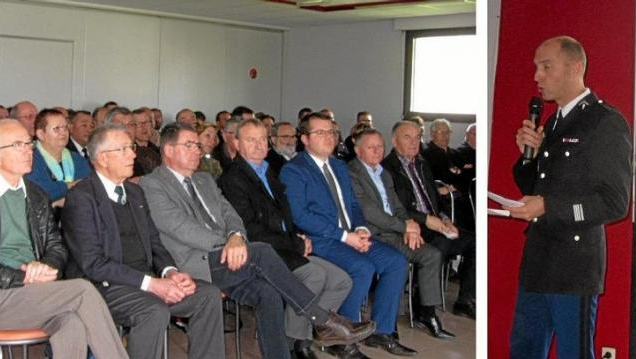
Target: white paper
point(498, 212)
point(504, 201)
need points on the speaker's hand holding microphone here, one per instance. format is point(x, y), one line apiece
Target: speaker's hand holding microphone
point(530, 135)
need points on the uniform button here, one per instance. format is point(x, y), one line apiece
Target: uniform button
point(600, 101)
point(542, 175)
point(535, 220)
point(546, 154)
point(204, 258)
point(576, 238)
point(105, 283)
point(567, 153)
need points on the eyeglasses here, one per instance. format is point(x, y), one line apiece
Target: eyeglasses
point(324, 133)
point(286, 137)
point(190, 145)
point(122, 149)
point(59, 129)
point(19, 145)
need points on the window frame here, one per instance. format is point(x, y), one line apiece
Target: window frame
point(408, 73)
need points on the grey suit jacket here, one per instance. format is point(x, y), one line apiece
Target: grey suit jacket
point(380, 223)
point(181, 226)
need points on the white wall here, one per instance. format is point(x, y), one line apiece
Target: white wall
point(350, 68)
point(81, 58)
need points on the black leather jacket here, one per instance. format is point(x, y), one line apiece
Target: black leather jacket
point(45, 237)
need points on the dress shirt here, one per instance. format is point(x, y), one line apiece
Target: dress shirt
point(567, 108)
point(376, 177)
point(4, 186)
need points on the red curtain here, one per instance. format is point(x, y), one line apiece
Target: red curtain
point(606, 31)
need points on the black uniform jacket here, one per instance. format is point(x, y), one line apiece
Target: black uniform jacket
point(583, 172)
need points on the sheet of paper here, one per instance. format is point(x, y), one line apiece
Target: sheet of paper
point(503, 200)
point(498, 212)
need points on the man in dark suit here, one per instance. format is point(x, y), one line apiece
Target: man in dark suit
point(578, 181)
point(32, 257)
point(417, 192)
point(206, 235)
point(115, 244)
point(80, 128)
point(283, 139)
point(389, 222)
point(325, 208)
point(259, 198)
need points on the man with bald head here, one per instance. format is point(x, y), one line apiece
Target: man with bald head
point(578, 181)
point(25, 112)
point(32, 257)
point(186, 116)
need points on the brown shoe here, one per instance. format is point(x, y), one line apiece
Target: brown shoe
point(338, 330)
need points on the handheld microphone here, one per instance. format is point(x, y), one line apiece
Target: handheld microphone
point(535, 108)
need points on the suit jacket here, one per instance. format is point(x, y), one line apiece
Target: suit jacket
point(313, 208)
point(406, 193)
point(276, 160)
point(45, 237)
point(182, 227)
point(92, 234)
point(380, 223)
point(263, 215)
point(583, 172)
point(440, 162)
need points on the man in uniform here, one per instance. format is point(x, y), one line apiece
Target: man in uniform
point(578, 181)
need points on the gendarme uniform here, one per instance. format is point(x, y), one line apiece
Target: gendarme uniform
point(583, 172)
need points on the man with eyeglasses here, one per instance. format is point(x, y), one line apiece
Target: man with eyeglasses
point(55, 168)
point(32, 256)
point(324, 207)
point(227, 151)
point(114, 243)
point(25, 112)
point(206, 235)
point(283, 148)
point(148, 157)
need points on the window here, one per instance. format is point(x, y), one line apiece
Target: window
point(441, 74)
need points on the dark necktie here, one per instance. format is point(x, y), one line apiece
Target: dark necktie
point(334, 194)
point(119, 190)
point(85, 153)
point(559, 117)
point(198, 206)
point(420, 191)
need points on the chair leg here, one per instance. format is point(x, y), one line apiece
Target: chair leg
point(25, 352)
point(10, 350)
point(165, 344)
point(442, 285)
point(410, 294)
point(237, 327)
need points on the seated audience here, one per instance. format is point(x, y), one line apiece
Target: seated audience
point(123, 116)
point(301, 114)
point(208, 139)
point(110, 105)
point(115, 244)
point(200, 116)
point(283, 139)
point(324, 207)
point(148, 157)
point(186, 116)
point(389, 222)
point(357, 129)
point(80, 128)
point(157, 116)
point(206, 235)
point(221, 118)
point(467, 158)
point(226, 151)
point(99, 115)
point(419, 121)
point(55, 168)
point(268, 121)
point(25, 112)
point(259, 198)
point(363, 117)
point(32, 256)
point(417, 192)
point(243, 113)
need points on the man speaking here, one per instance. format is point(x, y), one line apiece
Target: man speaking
point(577, 180)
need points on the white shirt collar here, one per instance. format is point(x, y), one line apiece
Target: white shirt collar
point(5, 186)
point(567, 108)
point(377, 171)
point(318, 161)
point(179, 176)
point(77, 145)
point(110, 187)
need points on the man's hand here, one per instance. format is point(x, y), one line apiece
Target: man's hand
point(59, 203)
point(534, 207)
point(359, 243)
point(234, 252)
point(434, 223)
point(529, 135)
point(38, 272)
point(166, 289)
point(183, 281)
point(308, 247)
point(449, 228)
point(412, 226)
point(413, 240)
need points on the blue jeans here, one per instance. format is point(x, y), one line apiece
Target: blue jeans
point(265, 283)
point(540, 316)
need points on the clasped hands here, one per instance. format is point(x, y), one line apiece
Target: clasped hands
point(173, 288)
point(360, 240)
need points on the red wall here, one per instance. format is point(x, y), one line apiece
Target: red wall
point(606, 30)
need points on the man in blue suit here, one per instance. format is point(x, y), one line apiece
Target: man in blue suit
point(324, 207)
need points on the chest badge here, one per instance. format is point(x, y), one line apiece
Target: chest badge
point(570, 140)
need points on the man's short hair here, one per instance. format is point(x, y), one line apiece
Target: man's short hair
point(572, 49)
point(170, 134)
point(303, 126)
point(363, 133)
point(98, 137)
point(304, 110)
point(471, 126)
point(234, 121)
point(41, 120)
point(199, 115)
point(240, 110)
point(218, 115)
point(278, 125)
point(362, 113)
point(111, 103)
point(399, 124)
point(439, 122)
point(114, 112)
point(74, 115)
point(248, 122)
point(176, 117)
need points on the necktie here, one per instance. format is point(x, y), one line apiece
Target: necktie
point(119, 190)
point(85, 153)
point(334, 195)
point(424, 203)
point(198, 206)
point(558, 117)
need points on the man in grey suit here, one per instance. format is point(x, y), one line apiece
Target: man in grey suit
point(206, 237)
point(389, 222)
